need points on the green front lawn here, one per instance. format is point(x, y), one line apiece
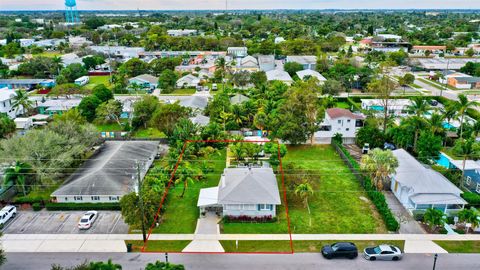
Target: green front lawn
point(343, 105)
point(339, 204)
point(298, 246)
point(159, 245)
point(460, 246)
point(181, 214)
point(96, 80)
point(186, 91)
point(107, 127)
point(148, 133)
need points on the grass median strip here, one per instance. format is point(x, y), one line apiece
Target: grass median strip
point(159, 245)
point(460, 246)
point(298, 246)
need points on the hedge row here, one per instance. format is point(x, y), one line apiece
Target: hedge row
point(472, 198)
point(29, 199)
point(377, 197)
point(82, 206)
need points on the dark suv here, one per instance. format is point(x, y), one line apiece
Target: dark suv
point(340, 249)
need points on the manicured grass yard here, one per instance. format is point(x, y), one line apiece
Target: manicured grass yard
point(343, 105)
point(159, 245)
point(181, 214)
point(108, 127)
point(186, 91)
point(298, 246)
point(339, 204)
point(460, 246)
point(148, 133)
point(96, 80)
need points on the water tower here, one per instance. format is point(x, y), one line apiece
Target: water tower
point(71, 13)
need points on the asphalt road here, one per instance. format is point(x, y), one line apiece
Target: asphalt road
point(60, 222)
point(133, 261)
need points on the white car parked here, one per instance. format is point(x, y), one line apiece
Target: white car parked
point(7, 213)
point(383, 252)
point(87, 220)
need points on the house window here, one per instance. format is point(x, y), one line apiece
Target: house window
point(347, 129)
point(233, 207)
point(113, 198)
point(348, 121)
point(468, 180)
point(264, 207)
point(248, 207)
point(66, 198)
point(339, 121)
point(77, 198)
point(95, 198)
point(477, 189)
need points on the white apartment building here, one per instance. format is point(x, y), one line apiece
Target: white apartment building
point(340, 121)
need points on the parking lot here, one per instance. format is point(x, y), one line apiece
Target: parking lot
point(64, 222)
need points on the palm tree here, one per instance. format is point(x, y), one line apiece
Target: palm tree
point(16, 175)
point(467, 149)
point(418, 108)
point(304, 190)
point(238, 115)
point(21, 101)
point(379, 164)
point(221, 64)
point(469, 216)
point(225, 116)
point(238, 151)
point(462, 105)
point(450, 112)
point(184, 174)
point(436, 124)
point(434, 217)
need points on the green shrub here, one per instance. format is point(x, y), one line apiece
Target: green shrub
point(82, 206)
point(37, 206)
point(472, 198)
point(28, 199)
point(418, 215)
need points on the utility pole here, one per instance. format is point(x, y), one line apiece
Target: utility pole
point(140, 200)
point(445, 77)
point(435, 260)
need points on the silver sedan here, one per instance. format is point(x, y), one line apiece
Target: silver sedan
point(383, 252)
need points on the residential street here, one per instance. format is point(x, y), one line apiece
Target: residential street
point(133, 261)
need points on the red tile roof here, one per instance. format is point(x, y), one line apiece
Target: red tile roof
point(337, 113)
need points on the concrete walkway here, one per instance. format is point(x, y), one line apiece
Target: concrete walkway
point(206, 236)
point(406, 221)
point(414, 243)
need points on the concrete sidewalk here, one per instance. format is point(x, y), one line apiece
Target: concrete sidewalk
point(414, 243)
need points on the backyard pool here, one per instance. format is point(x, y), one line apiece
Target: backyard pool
point(376, 108)
point(448, 126)
point(444, 161)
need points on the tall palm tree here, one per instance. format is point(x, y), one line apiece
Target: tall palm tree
point(450, 112)
point(184, 175)
point(466, 148)
point(379, 164)
point(418, 108)
point(16, 175)
point(436, 124)
point(304, 190)
point(238, 114)
point(20, 101)
point(221, 64)
point(463, 104)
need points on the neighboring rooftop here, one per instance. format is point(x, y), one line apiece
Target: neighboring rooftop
point(146, 78)
point(238, 98)
point(335, 113)
point(112, 170)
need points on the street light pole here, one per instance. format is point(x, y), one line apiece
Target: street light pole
point(435, 260)
point(140, 200)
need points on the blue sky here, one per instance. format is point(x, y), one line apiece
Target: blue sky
point(242, 4)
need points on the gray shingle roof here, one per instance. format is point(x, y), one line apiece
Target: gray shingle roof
point(422, 180)
point(238, 98)
point(248, 186)
point(112, 170)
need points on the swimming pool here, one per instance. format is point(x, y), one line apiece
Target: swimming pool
point(448, 126)
point(376, 108)
point(444, 161)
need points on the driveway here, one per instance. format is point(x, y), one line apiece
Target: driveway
point(406, 221)
point(64, 222)
point(207, 225)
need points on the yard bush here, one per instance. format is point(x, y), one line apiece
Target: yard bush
point(37, 206)
point(472, 198)
point(28, 199)
point(82, 206)
point(377, 197)
point(249, 219)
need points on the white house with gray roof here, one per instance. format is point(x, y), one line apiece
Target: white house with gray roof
point(245, 191)
point(307, 61)
point(418, 187)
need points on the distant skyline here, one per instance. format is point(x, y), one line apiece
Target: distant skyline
point(238, 4)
